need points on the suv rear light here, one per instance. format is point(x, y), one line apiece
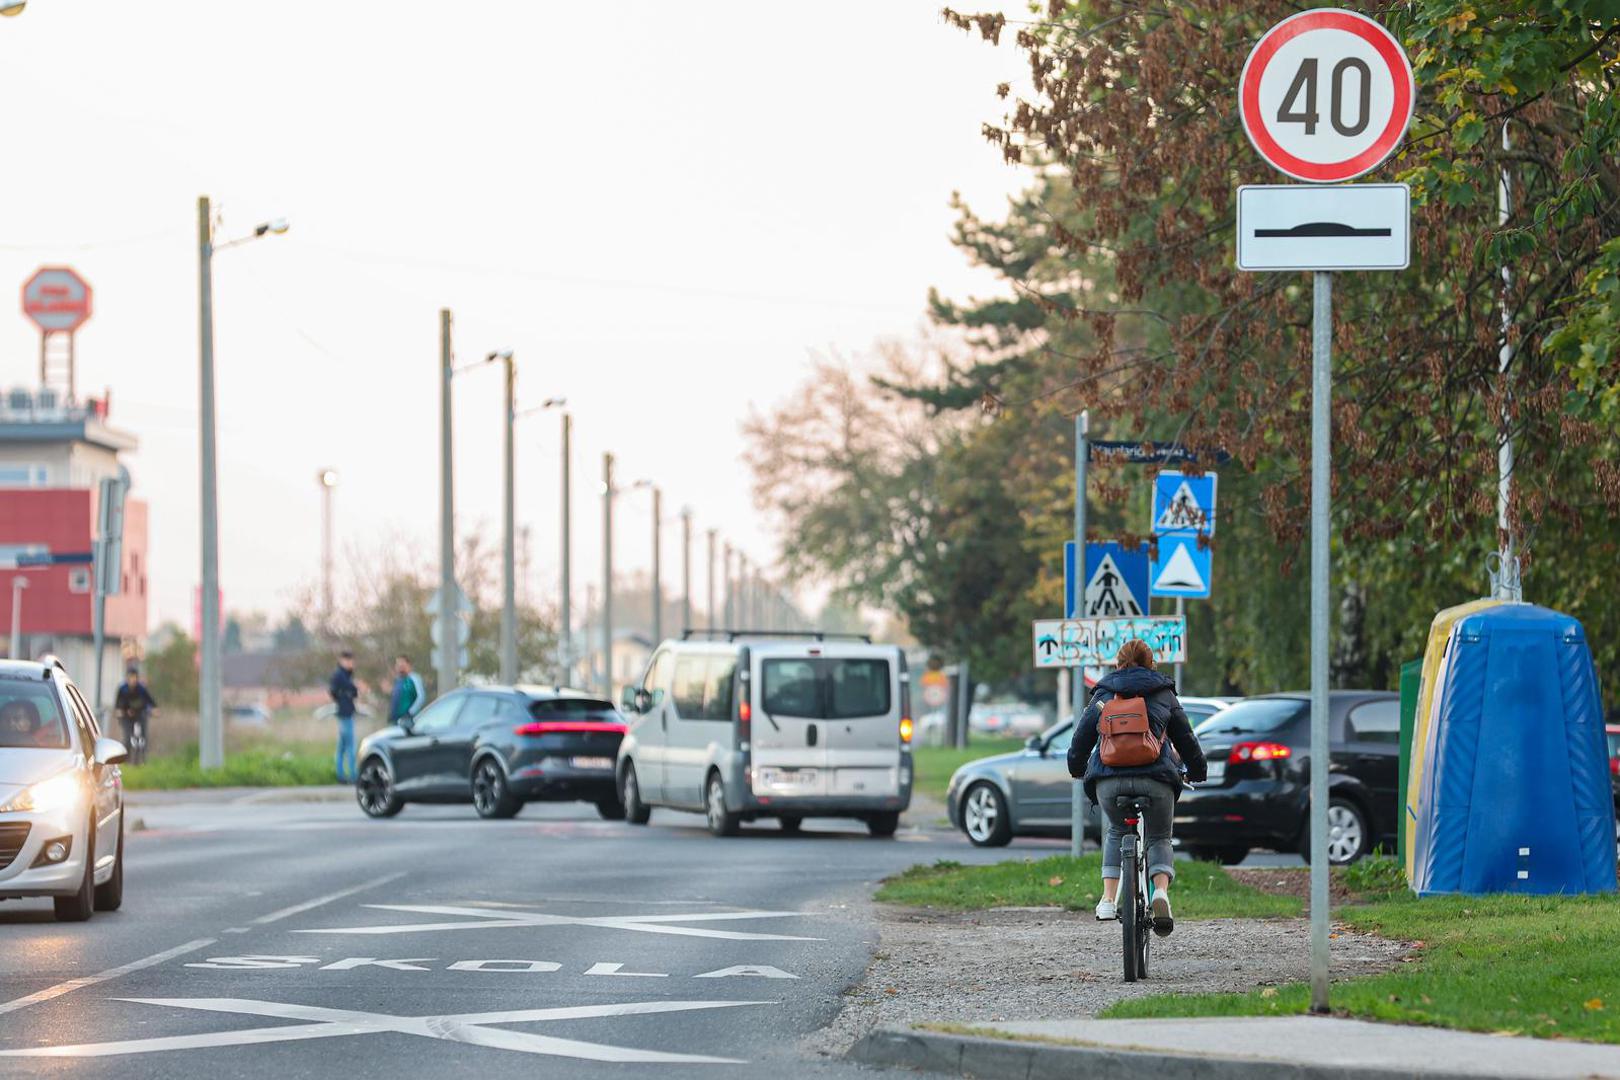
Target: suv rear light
point(553, 727)
point(905, 729)
point(1258, 751)
point(1614, 766)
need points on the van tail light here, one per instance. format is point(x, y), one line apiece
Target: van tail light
point(554, 727)
point(1258, 751)
point(905, 729)
point(745, 718)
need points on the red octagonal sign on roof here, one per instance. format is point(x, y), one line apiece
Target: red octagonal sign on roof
point(1326, 95)
point(57, 299)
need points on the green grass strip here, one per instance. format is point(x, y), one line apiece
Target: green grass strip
point(933, 765)
point(242, 768)
point(1202, 890)
point(1524, 965)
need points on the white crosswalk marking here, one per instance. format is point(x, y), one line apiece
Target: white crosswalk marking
point(472, 1028)
point(473, 918)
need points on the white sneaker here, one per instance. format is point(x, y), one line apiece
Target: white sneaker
point(1107, 911)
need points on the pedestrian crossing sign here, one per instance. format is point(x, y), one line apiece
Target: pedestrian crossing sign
point(1182, 502)
point(1181, 567)
point(1116, 582)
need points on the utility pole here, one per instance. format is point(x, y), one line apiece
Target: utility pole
point(210, 718)
point(708, 609)
point(509, 647)
point(328, 479)
point(1082, 457)
point(607, 572)
point(449, 647)
point(657, 566)
point(1506, 583)
point(731, 600)
point(565, 629)
point(18, 584)
point(686, 569)
point(744, 616)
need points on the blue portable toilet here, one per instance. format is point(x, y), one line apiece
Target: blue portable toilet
point(1515, 793)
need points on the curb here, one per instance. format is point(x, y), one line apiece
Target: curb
point(322, 794)
point(1010, 1059)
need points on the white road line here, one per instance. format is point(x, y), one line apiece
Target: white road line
point(310, 905)
point(111, 973)
point(71, 985)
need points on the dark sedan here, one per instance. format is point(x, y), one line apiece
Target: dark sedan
point(1258, 791)
point(497, 748)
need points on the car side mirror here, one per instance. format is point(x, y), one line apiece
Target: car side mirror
point(110, 752)
point(1034, 743)
point(642, 700)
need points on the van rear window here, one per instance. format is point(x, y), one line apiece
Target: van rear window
point(830, 689)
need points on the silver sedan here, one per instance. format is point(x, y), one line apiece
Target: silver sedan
point(61, 795)
point(1027, 792)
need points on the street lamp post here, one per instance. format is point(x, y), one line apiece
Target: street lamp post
point(607, 573)
point(708, 609)
point(725, 570)
point(686, 569)
point(18, 584)
point(210, 718)
point(565, 627)
point(657, 624)
point(328, 479)
point(509, 649)
point(449, 652)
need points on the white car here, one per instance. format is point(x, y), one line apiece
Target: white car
point(61, 794)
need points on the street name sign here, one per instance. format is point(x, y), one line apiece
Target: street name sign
point(1330, 227)
point(1326, 95)
point(1122, 452)
point(1063, 643)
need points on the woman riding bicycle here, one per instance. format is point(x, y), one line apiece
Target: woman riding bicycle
point(1159, 780)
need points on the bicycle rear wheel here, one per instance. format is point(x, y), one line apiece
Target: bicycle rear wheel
point(1130, 916)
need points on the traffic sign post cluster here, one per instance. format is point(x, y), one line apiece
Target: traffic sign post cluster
point(1325, 96)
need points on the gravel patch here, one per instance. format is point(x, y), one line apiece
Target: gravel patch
point(1043, 963)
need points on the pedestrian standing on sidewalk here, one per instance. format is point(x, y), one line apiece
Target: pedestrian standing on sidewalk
point(133, 705)
point(344, 691)
point(1160, 780)
point(409, 693)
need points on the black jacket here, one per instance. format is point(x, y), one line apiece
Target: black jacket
point(132, 702)
point(343, 691)
point(1164, 714)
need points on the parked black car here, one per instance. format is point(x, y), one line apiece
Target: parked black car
point(498, 748)
point(1258, 791)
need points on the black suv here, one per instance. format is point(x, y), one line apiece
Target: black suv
point(497, 748)
point(1258, 791)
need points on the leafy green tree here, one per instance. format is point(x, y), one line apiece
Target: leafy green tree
point(171, 674)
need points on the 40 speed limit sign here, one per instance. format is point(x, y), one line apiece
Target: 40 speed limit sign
point(1326, 95)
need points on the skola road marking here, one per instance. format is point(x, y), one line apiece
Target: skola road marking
point(473, 1028)
point(259, 962)
point(483, 919)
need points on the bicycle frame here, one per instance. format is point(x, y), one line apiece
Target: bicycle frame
point(1135, 925)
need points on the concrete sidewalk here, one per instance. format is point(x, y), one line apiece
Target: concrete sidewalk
point(1293, 1047)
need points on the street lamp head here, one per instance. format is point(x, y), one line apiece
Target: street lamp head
point(276, 226)
point(503, 354)
point(328, 478)
point(554, 403)
point(12, 7)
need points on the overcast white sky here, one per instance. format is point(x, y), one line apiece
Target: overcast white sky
point(664, 208)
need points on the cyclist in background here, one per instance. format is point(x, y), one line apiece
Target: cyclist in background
point(133, 705)
point(1133, 676)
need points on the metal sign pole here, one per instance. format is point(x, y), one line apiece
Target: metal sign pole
point(1181, 613)
point(1321, 465)
point(1082, 452)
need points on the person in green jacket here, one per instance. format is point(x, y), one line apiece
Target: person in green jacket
point(409, 693)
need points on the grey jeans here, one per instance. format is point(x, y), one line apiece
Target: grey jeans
point(1157, 820)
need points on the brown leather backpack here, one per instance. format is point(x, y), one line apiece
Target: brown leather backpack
point(1126, 733)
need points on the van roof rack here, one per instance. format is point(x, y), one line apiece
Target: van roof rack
point(716, 633)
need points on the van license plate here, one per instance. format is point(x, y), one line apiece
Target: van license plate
point(593, 763)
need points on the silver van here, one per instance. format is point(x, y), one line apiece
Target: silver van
point(741, 726)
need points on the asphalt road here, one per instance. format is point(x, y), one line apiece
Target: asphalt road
point(277, 940)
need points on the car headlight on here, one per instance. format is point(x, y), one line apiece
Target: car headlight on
point(59, 792)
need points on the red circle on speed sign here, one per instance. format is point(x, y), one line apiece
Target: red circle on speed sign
point(1326, 95)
